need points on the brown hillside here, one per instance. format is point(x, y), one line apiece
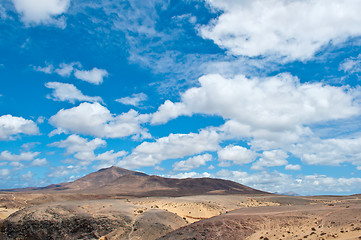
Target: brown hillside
point(119, 181)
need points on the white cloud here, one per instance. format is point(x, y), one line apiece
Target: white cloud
point(66, 69)
point(292, 167)
point(11, 126)
point(134, 100)
point(68, 92)
point(193, 162)
point(263, 139)
point(281, 28)
point(42, 11)
point(15, 160)
point(49, 69)
point(275, 103)
point(110, 155)
point(4, 172)
point(273, 111)
point(24, 156)
point(75, 144)
point(39, 162)
point(109, 158)
point(40, 120)
point(29, 145)
point(169, 110)
point(305, 185)
point(82, 149)
point(27, 176)
point(17, 165)
point(236, 154)
point(96, 120)
point(94, 76)
point(172, 147)
point(190, 175)
point(271, 159)
point(332, 151)
point(63, 171)
point(351, 65)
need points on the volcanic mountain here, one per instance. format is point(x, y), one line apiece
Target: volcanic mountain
point(120, 181)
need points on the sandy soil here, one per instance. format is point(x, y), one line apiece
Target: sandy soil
point(192, 208)
point(5, 212)
point(328, 219)
point(335, 221)
point(247, 216)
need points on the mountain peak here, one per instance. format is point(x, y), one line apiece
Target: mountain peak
point(122, 171)
point(119, 171)
point(103, 177)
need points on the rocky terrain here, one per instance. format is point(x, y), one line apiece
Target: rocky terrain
point(78, 210)
point(316, 221)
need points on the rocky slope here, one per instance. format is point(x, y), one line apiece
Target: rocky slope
point(88, 220)
point(317, 221)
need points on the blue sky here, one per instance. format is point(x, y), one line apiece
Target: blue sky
point(264, 92)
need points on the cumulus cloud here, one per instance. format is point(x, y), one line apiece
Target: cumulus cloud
point(134, 100)
point(295, 29)
point(109, 158)
point(12, 126)
point(27, 176)
point(280, 182)
point(68, 92)
point(169, 110)
point(237, 154)
point(4, 173)
point(190, 175)
point(82, 149)
point(110, 155)
point(48, 69)
point(171, 147)
point(94, 76)
point(42, 11)
point(351, 65)
point(271, 159)
point(63, 171)
point(17, 165)
point(272, 111)
point(15, 160)
point(305, 185)
point(292, 167)
point(332, 151)
point(66, 69)
point(39, 162)
point(262, 139)
point(274, 103)
point(29, 145)
point(96, 120)
point(192, 163)
point(24, 156)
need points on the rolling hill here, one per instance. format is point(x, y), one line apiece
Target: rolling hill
point(120, 181)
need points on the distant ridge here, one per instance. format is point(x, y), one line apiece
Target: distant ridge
point(290, 193)
point(123, 182)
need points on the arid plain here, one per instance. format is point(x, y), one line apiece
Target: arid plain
point(161, 208)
